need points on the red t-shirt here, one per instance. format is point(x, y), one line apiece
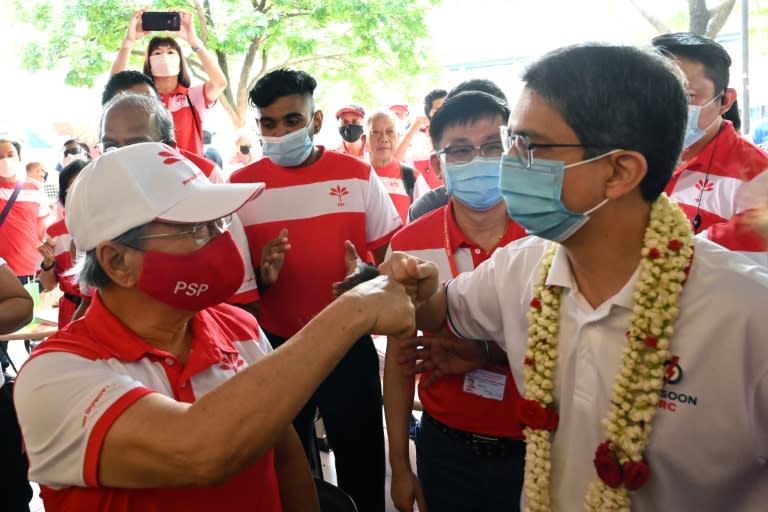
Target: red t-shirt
point(188, 124)
point(458, 400)
point(80, 380)
point(425, 168)
point(334, 199)
point(19, 233)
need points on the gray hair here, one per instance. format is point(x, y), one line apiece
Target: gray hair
point(87, 270)
point(379, 114)
point(153, 107)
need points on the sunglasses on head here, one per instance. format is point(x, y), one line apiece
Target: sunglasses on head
point(73, 151)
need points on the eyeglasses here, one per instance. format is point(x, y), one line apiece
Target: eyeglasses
point(73, 151)
point(463, 154)
point(524, 147)
point(202, 232)
point(107, 146)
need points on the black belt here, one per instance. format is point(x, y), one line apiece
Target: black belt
point(481, 444)
point(73, 298)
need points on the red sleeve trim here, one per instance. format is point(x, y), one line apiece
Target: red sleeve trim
point(372, 246)
point(99, 432)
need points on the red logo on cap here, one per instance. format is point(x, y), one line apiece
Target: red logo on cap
point(170, 157)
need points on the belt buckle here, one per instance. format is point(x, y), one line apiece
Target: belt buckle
point(485, 445)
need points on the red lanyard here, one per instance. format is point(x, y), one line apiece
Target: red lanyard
point(448, 250)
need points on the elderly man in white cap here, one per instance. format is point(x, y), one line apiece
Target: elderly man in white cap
point(137, 406)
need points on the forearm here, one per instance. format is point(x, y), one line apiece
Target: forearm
point(292, 373)
point(123, 56)
point(432, 314)
point(405, 142)
point(15, 313)
point(297, 488)
point(398, 404)
point(217, 81)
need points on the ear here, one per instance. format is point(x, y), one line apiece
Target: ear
point(363, 139)
point(629, 169)
point(729, 96)
point(121, 263)
point(318, 121)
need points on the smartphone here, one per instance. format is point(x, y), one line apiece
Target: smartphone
point(154, 21)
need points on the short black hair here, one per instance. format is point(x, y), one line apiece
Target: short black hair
point(463, 109)
point(733, 115)
point(701, 49)
point(66, 175)
point(618, 97)
point(124, 80)
point(434, 94)
point(479, 84)
point(281, 82)
point(16, 144)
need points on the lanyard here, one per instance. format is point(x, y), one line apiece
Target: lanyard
point(448, 250)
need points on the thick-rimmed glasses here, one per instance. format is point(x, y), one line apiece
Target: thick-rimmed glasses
point(462, 154)
point(524, 147)
point(199, 232)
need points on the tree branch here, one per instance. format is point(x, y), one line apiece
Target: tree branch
point(204, 20)
point(718, 16)
point(651, 18)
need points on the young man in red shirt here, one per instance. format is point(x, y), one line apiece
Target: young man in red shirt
point(323, 198)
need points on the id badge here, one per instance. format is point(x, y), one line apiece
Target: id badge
point(486, 384)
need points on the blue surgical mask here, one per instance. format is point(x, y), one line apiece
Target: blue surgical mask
point(475, 183)
point(693, 133)
point(533, 197)
point(290, 150)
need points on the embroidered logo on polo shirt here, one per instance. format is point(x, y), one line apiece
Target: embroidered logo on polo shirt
point(670, 400)
point(170, 157)
point(340, 192)
point(231, 362)
point(702, 186)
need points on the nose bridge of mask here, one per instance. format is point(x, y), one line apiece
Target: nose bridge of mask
point(288, 137)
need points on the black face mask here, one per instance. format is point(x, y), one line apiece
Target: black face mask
point(351, 132)
point(245, 149)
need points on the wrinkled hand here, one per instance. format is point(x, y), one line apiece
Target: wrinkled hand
point(419, 277)
point(405, 491)
point(46, 249)
point(135, 30)
point(442, 354)
point(273, 257)
point(388, 308)
point(357, 270)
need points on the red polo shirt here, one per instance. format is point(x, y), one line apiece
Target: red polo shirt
point(455, 400)
point(188, 124)
point(19, 233)
point(80, 380)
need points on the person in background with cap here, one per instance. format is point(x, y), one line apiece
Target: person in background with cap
point(721, 176)
point(161, 397)
point(244, 151)
point(350, 119)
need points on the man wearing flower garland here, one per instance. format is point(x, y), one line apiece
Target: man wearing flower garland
point(625, 404)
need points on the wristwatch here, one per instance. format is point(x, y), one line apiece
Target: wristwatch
point(45, 268)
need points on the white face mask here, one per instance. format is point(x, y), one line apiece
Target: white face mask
point(165, 64)
point(9, 167)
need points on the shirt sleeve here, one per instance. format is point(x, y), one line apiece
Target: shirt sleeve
point(198, 99)
point(474, 309)
point(66, 404)
point(381, 217)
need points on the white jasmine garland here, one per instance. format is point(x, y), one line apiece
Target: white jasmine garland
point(666, 257)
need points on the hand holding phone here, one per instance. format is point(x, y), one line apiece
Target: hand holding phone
point(158, 21)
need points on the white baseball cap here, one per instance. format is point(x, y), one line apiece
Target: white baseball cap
point(134, 185)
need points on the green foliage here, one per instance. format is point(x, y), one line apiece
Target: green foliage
point(369, 45)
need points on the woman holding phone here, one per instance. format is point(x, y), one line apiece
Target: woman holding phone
point(165, 64)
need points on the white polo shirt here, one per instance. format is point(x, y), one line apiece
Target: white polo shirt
point(709, 444)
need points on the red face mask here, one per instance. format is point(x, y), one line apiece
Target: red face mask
point(194, 281)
